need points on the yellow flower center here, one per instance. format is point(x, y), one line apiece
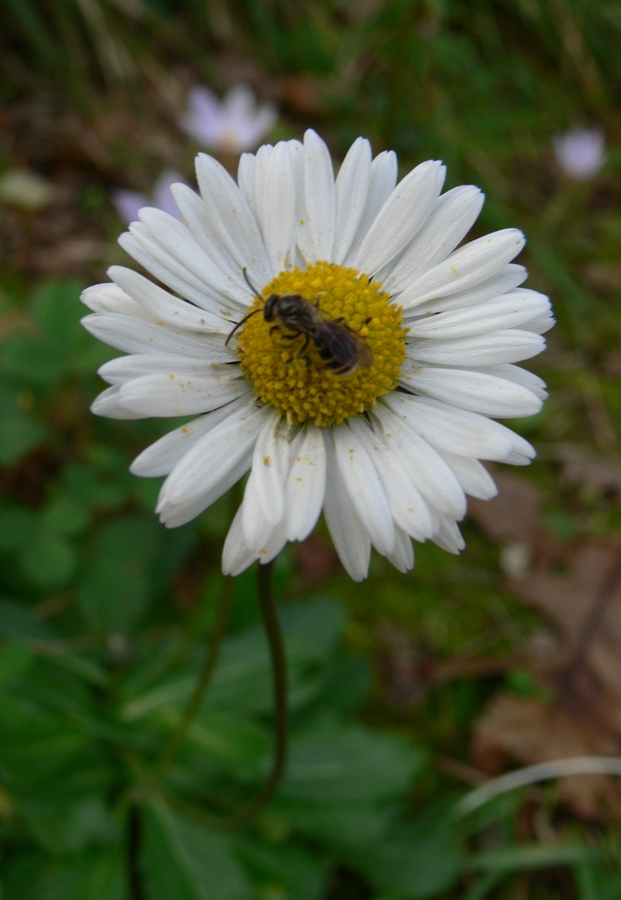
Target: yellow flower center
point(327, 355)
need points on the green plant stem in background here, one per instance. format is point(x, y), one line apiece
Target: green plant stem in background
point(179, 735)
point(279, 671)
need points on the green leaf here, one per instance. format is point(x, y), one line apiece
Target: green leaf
point(533, 856)
point(65, 516)
point(18, 621)
point(117, 584)
point(19, 433)
point(99, 875)
point(238, 746)
point(187, 861)
point(49, 560)
point(343, 780)
point(339, 762)
point(415, 860)
point(57, 310)
point(15, 659)
point(243, 679)
point(284, 871)
point(16, 526)
point(34, 361)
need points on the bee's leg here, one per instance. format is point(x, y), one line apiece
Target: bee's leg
point(302, 350)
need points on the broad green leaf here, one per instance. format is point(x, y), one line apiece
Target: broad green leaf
point(94, 875)
point(34, 361)
point(18, 621)
point(19, 434)
point(65, 516)
point(187, 861)
point(283, 870)
point(57, 311)
point(336, 825)
point(243, 678)
point(15, 659)
point(117, 584)
point(16, 525)
point(415, 860)
point(49, 560)
point(338, 762)
point(237, 745)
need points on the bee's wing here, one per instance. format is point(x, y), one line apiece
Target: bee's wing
point(346, 346)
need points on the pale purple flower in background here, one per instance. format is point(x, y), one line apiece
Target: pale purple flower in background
point(580, 152)
point(128, 203)
point(235, 124)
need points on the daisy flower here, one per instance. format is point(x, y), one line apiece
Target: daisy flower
point(581, 152)
point(233, 125)
point(333, 339)
point(129, 203)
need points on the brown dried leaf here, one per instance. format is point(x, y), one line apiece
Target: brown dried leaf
point(530, 731)
point(514, 515)
point(580, 466)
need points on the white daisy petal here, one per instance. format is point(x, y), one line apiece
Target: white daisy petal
point(510, 276)
point(472, 475)
point(520, 376)
point(168, 395)
point(160, 242)
point(132, 334)
point(125, 368)
point(470, 265)
point(228, 218)
point(382, 181)
point(424, 465)
point(511, 310)
point(319, 194)
point(450, 221)
point(110, 298)
point(495, 348)
point(352, 189)
point(209, 460)
point(278, 205)
point(164, 307)
point(107, 404)
point(306, 483)
point(173, 514)
point(162, 456)
point(474, 390)
point(408, 508)
point(402, 556)
point(161, 263)
point(401, 217)
point(255, 527)
point(236, 555)
point(363, 484)
point(456, 430)
point(245, 179)
point(448, 536)
point(270, 464)
point(350, 538)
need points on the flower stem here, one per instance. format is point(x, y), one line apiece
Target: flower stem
point(165, 760)
point(279, 673)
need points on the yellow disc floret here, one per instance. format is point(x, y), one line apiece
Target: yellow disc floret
point(294, 370)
